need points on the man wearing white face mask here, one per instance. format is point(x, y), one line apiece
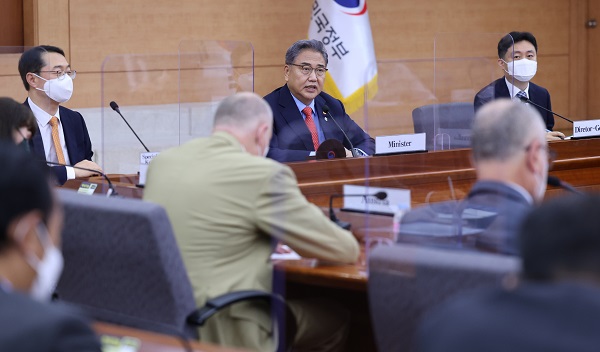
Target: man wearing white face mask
point(63, 137)
point(31, 262)
point(227, 203)
point(517, 57)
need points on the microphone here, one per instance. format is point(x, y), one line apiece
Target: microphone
point(326, 113)
point(343, 224)
point(115, 107)
point(556, 182)
point(111, 189)
point(527, 100)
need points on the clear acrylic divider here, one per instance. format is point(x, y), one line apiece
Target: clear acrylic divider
point(167, 99)
point(457, 79)
point(210, 71)
point(146, 89)
point(436, 97)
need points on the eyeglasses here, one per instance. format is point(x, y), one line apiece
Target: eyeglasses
point(61, 74)
point(307, 70)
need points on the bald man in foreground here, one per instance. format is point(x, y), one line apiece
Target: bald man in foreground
point(511, 158)
point(228, 204)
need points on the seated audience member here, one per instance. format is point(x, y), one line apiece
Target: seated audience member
point(517, 57)
point(511, 159)
point(227, 204)
point(299, 123)
point(63, 136)
point(31, 262)
point(555, 307)
point(17, 123)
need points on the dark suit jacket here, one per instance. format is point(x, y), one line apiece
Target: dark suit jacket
point(548, 317)
point(499, 89)
point(30, 326)
point(77, 140)
point(501, 210)
point(291, 138)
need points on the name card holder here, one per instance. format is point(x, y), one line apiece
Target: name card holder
point(145, 159)
point(401, 143)
point(369, 204)
point(586, 128)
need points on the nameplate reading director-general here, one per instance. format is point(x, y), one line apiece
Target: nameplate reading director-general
point(401, 143)
point(586, 128)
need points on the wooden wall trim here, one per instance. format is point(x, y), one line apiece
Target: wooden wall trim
point(578, 72)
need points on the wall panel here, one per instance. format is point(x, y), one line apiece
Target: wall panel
point(92, 29)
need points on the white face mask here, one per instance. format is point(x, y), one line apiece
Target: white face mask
point(59, 90)
point(48, 268)
point(522, 70)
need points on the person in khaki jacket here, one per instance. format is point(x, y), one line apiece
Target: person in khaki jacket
point(228, 204)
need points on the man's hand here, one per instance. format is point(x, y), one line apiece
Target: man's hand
point(554, 136)
point(348, 153)
point(88, 165)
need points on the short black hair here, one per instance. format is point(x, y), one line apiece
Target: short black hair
point(31, 61)
point(14, 115)
point(512, 38)
point(561, 235)
point(24, 187)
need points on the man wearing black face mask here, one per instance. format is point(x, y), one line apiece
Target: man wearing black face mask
point(31, 262)
point(63, 137)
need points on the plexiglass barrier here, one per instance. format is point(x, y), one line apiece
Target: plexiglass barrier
point(168, 99)
point(435, 97)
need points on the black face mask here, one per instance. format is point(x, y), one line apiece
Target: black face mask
point(25, 143)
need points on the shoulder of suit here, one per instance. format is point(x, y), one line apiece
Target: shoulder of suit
point(68, 112)
point(44, 312)
point(537, 87)
point(273, 95)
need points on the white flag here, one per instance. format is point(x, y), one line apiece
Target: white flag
point(343, 26)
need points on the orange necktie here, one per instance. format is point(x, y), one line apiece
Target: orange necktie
point(56, 140)
point(310, 123)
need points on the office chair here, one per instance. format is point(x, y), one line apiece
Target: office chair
point(123, 266)
point(407, 280)
point(447, 126)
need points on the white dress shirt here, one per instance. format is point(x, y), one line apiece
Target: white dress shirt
point(45, 129)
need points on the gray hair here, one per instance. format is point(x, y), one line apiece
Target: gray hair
point(242, 110)
point(312, 44)
point(502, 128)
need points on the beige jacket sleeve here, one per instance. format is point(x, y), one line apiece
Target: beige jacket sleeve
point(284, 213)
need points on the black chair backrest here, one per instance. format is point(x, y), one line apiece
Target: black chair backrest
point(406, 280)
point(123, 266)
point(447, 126)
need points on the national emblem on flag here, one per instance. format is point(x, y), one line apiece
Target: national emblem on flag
point(344, 27)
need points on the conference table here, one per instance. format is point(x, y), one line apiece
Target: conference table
point(430, 176)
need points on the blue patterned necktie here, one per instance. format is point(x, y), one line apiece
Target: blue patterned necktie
point(522, 95)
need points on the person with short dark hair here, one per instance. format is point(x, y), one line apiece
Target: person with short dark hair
point(517, 57)
point(299, 123)
point(63, 136)
point(31, 262)
point(17, 122)
point(555, 307)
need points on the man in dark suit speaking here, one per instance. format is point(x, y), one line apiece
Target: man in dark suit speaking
point(517, 56)
point(300, 123)
point(63, 137)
